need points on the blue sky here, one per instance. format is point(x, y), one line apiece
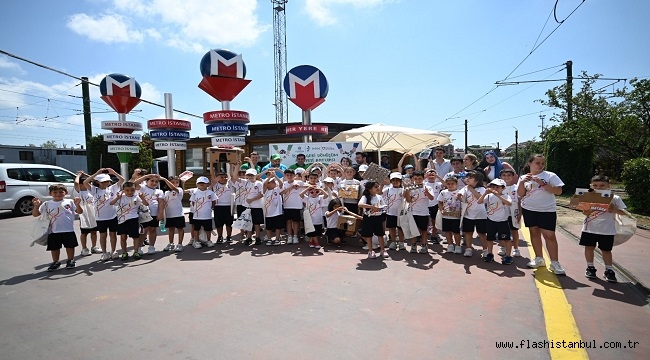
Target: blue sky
point(414, 63)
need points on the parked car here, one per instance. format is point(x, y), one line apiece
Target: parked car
point(20, 183)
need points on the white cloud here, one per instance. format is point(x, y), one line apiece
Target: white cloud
point(189, 25)
point(5, 63)
point(107, 28)
point(321, 10)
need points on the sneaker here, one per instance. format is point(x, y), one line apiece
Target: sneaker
point(96, 250)
point(458, 249)
point(414, 249)
point(507, 260)
point(424, 250)
point(141, 252)
point(192, 241)
point(169, 247)
point(220, 240)
point(384, 254)
point(450, 248)
point(610, 275)
point(311, 244)
point(146, 242)
point(488, 257)
point(392, 245)
point(269, 242)
point(372, 255)
point(537, 262)
point(151, 250)
point(125, 256)
point(85, 252)
point(105, 257)
point(228, 239)
point(137, 255)
point(115, 255)
point(54, 266)
point(401, 246)
point(502, 250)
point(557, 269)
point(247, 242)
point(591, 273)
point(208, 243)
point(316, 245)
point(178, 248)
point(70, 264)
point(276, 242)
point(468, 252)
point(516, 253)
point(258, 241)
point(484, 253)
point(197, 245)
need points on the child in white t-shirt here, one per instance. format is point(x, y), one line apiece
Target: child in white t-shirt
point(253, 200)
point(172, 211)
point(509, 176)
point(450, 207)
point(372, 205)
point(474, 216)
point(127, 203)
point(394, 199)
point(497, 208)
point(60, 212)
point(335, 209)
point(203, 200)
point(87, 218)
point(432, 180)
point(273, 209)
point(314, 199)
point(292, 204)
point(419, 199)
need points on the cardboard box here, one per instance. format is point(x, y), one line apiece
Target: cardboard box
point(348, 223)
point(228, 155)
point(589, 199)
point(349, 192)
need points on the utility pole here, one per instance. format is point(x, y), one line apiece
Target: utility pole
point(569, 89)
point(466, 148)
point(516, 150)
point(542, 117)
point(85, 95)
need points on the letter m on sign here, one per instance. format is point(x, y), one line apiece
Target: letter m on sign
point(220, 66)
point(126, 88)
point(312, 81)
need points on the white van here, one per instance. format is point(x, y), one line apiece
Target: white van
point(20, 183)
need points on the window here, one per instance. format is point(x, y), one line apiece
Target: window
point(194, 160)
point(26, 155)
point(44, 175)
point(61, 176)
point(16, 174)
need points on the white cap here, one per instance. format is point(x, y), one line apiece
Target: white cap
point(363, 167)
point(203, 180)
point(328, 179)
point(498, 182)
point(395, 175)
point(251, 172)
point(299, 170)
point(102, 178)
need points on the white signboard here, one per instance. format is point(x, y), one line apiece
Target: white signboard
point(123, 149)
point(169, 145)
point(122, 137)
point(323, 152)
point(228, 140)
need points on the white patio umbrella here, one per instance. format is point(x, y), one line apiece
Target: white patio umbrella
point(380, 137)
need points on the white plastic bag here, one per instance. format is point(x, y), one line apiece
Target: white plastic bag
point(309, 225)
point(143, 214)
point(40, 230)
point(406, 221)
point(625, 228)
point(244, 221)
point(87, 217)
point(439, 220)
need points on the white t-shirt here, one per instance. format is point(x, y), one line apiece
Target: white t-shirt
point(103, 198)
point(443, 168)
point(538, 199)
point(239, 188)
point(437, 188)
point(333, 221)
point(315, 206)
point(375, 200)
point(474, 210)
point(292, 198)
point(450, 203)
point(152, 196)
point(224, 193)
point(394, 200)
point(273, 202)
point(127, 208)
point(203, 204)
point(86, 197)
point(173, 203)
point(601, 222)
point(419, 200)
point(60, 213)
point(252, 190)
point(495, 209)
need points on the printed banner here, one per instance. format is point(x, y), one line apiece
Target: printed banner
point(323, 152)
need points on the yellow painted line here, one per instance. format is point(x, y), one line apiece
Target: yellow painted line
point(559, 320)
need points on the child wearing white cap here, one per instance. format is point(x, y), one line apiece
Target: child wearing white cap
point(394, 200)
point(497, 207)
point(253, 200)
point(203, 200)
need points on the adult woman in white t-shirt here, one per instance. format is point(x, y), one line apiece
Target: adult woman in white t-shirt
point(537, 190)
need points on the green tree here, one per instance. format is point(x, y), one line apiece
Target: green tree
point(50, 144)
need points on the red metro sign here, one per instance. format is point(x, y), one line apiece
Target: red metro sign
point(307, 130)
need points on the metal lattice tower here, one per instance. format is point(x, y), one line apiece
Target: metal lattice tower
point(280, 60)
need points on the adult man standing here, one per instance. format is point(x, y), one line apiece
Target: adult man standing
point(300, 162)
point(439, 163)
point(275, 164)
point(360, 158)
point(252, 164)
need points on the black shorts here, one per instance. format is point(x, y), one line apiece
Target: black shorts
point(352, 207)
point(175, 222)
point(333, 233)
point(240, 209)
point(57, 240)
point(543, 220)
point(257, 216)
point(222, 216)
point(129, 228)
point(512, 227)
point(479, 224)
point(110, 225)
point(452, 225)
point(433, 211)
point(151, 223)
point(88, 231)
point(191, 218)
point(275, 223)
point(292, 214)
point(498, 230)
point(318, 231)
point(604, 242)
point(205, 224)
point(372, 225)
point(391, 221)
point(422, 221)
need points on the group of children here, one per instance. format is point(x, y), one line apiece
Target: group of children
point(412, 207)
